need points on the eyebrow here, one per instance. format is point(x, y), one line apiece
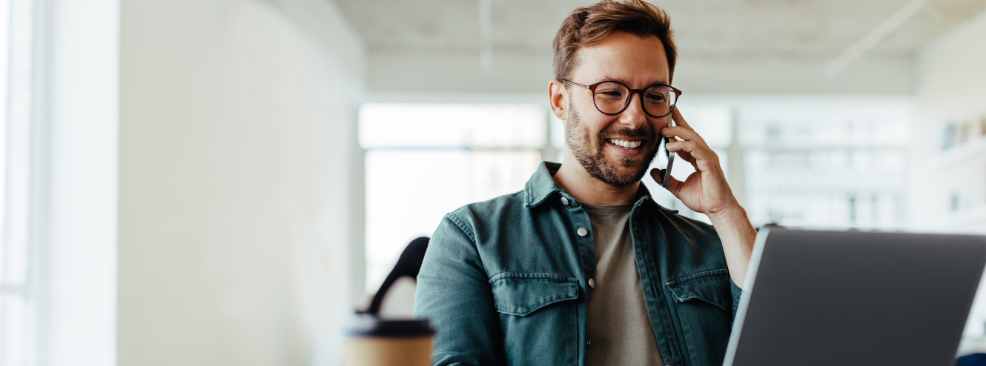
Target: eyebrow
point(610, 78)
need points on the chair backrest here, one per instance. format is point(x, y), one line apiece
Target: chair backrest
point(409, 264)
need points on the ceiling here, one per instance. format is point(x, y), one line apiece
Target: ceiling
point(717, 37)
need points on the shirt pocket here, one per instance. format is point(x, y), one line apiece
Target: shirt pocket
point(703, 302)
point(539, 317)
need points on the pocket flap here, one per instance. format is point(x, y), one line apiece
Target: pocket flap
point(524, 293)
point(711, 287)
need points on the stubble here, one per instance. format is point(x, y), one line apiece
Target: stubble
point(590, 154)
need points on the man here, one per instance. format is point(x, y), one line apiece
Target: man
point(582, 267)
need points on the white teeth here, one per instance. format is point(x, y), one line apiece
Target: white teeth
point(626, 144)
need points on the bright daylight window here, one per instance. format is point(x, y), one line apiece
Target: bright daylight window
point(425, 160)
point(813, 163)
point(837, 165)
point(17, 289)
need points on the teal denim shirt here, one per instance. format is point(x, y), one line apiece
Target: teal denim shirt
point(505, 281)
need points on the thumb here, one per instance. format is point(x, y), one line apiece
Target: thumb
point(657, 174)
point(673, 184)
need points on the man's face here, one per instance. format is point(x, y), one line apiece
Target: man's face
point(616, 149)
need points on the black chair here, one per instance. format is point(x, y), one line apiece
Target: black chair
point(408, 265)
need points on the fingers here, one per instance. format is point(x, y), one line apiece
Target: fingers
point(678, 119)
point(701, 157)
point(686, 156)
point(673, 186)
point(696, 150)
point(691, 147)
point(685, 133)
point(682, 129)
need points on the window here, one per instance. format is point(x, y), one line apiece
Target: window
point(425, 160)
point(828, 166)
point(17, 290)
point(811, 163)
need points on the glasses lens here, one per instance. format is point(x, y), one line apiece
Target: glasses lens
point(658, 100)
point(610, 97)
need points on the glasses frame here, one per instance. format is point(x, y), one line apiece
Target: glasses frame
point(592, 89)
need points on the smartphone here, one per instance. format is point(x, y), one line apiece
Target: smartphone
point(667, 172)
point(668, 156)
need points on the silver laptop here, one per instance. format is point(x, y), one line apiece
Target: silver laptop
point(855, 298)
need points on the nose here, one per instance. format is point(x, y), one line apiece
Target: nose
point(634, 116)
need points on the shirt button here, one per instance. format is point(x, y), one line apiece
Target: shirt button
point(564, 201)
point(583, 232)
point(592, 283)
point(588, 343)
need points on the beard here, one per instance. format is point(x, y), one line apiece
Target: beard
point(623, 171)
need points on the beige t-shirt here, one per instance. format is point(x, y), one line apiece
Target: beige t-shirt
point(617, 325)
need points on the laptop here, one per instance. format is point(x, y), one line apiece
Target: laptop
point(855, 298)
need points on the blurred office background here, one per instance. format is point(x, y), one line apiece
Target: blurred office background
point(222, 182)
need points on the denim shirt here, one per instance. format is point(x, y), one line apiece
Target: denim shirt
point(505, 281)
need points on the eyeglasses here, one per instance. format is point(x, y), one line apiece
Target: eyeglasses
point(613, 97)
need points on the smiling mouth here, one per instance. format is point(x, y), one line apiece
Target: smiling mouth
point(626, 144)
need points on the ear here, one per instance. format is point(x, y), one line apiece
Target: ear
point(558, 99)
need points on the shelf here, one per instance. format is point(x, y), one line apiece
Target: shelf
point(964, 152)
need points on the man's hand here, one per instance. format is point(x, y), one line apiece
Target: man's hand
point(706, 191)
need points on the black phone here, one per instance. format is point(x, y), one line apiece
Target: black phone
point(666, 171)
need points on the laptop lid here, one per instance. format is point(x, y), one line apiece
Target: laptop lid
point(855, 298)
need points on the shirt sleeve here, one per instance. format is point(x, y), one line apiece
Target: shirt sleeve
point(735, 292)
point(454, 294)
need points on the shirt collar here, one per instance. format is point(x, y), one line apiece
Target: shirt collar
point(541, 186)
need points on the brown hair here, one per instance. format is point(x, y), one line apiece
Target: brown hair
point(588, 25)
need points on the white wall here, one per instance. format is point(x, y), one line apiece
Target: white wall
point(235, 124)
point(74, 183)
point(951, 86)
